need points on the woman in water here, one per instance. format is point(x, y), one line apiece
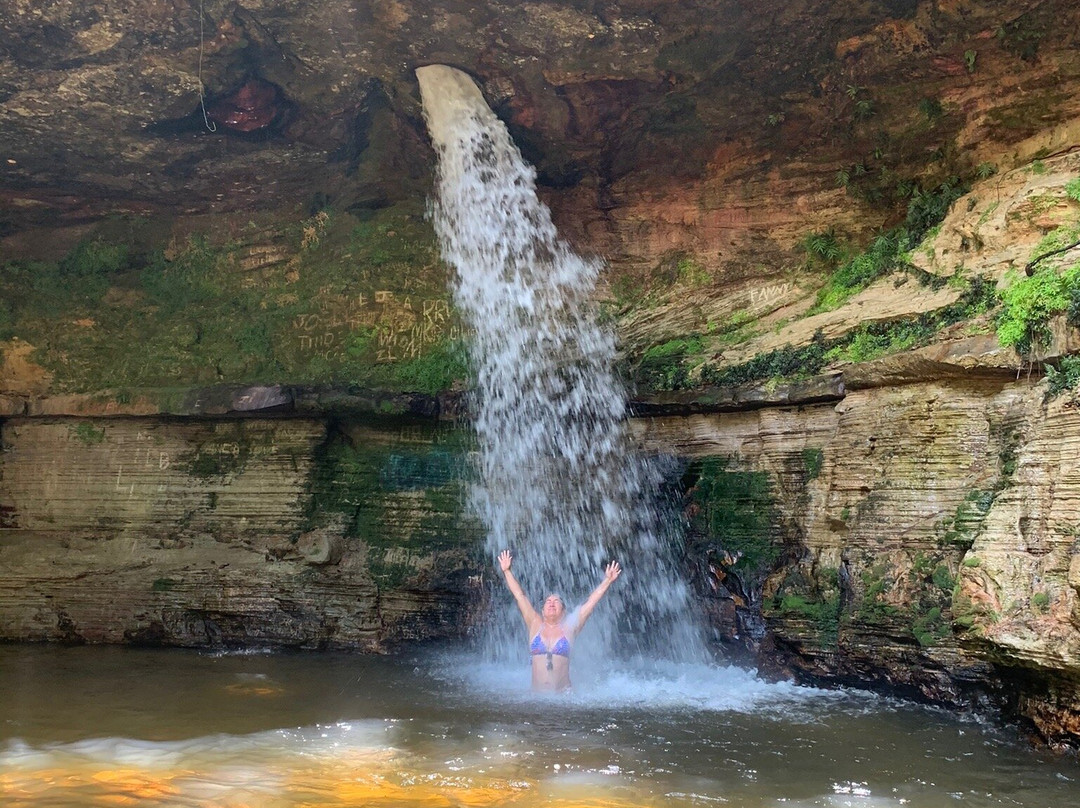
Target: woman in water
point(551, 638)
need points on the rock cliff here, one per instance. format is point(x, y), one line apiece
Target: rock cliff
point(212, 532)
point(841, 259)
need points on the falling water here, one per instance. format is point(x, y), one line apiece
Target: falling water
point(559, 482)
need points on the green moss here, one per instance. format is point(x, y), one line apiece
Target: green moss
point(393, 493)
point(1008, 454)
point(968, 614)
point(796, 604)
point(813, 599)
point(733, 330)
point(187, 280)
point(410, 470)
point(444, 366)
point(922, 599)
point(95, 258)
point(692, 273)
point(873, 608)
point(921, 565)
point(163, 585)
point(387, 574)
point(931, 108)
point(930, 627)
point(227, 453)
point(943, 578)
point(737, 511)
point(345, 480)
point(209, 465)
point(328, 299)
point(85, 433)
point(960, 530)
point(628, 291)
point(666, 366)
point(813, 459)
point(675, 347)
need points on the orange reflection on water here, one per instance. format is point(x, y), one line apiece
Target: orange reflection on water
point(320, 787)
point(221, 775)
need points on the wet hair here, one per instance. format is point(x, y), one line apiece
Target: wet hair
point(557, 597)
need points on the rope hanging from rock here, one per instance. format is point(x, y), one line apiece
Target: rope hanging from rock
point(210, 125)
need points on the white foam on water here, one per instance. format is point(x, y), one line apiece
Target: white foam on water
point(660, 686)
point(560, 484)
point(225, 752)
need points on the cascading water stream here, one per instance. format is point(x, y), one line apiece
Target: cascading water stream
point(559, 483)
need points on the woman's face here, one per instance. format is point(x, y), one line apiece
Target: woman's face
point(553, 607)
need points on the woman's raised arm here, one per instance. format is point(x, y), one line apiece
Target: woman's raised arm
point(528, 613)
point(611, 572)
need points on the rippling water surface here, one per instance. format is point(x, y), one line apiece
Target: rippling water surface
point(111, 727)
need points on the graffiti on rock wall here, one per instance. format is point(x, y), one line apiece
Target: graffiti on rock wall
point(769, 293)
point(398, 326)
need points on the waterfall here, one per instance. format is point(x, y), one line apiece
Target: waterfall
point(559, 483)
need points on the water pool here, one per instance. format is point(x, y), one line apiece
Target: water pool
point(98, 726)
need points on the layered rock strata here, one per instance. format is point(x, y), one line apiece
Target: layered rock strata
point(232, 533)
point(922, 538)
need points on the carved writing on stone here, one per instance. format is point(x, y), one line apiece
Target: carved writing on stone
point(390, 326)
point(769, 293)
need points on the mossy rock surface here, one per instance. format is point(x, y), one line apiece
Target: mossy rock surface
point(330, 298)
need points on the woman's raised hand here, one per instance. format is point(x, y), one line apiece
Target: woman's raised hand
point(612, 571)
point(505, 560)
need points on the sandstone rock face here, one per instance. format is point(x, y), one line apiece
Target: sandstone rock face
point(252, 532)
point(712, 130)
point(926, 540)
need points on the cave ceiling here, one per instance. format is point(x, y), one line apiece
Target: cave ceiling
point(181, 106)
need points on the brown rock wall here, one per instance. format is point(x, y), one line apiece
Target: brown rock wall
point(928, 540)
point(218, 533)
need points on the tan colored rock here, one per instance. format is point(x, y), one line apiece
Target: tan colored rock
point(1028, 549)
point(18, 372)
point(199, 533)
point(994, 229)
point(942, 519)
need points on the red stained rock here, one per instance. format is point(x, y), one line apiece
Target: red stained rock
point(254, 106)
point(949, 65)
